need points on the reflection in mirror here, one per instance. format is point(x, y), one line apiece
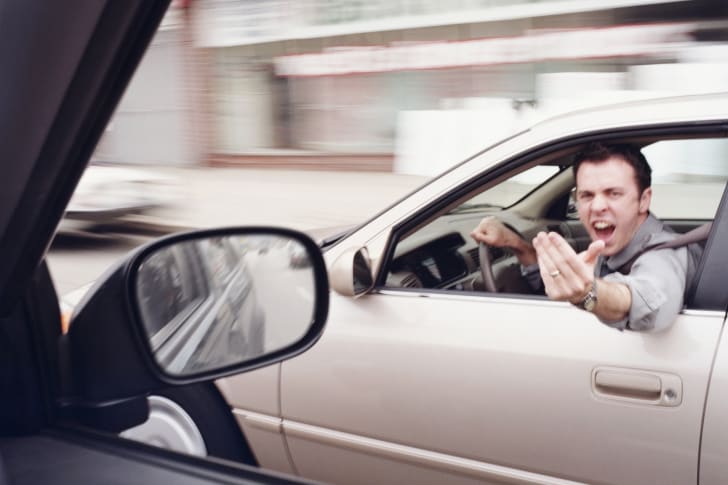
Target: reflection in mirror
point(218, 301)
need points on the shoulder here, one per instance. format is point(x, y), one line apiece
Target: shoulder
point(656, 232)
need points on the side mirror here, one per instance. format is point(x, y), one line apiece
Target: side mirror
point(351, 273)
point(195, 307)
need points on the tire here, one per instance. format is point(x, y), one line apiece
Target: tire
point(193, 419)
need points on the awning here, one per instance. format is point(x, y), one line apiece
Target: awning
point(537, 46)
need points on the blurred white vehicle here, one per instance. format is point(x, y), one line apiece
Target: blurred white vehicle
point(111, 194)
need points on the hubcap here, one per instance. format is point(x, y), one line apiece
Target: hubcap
point(169, 426)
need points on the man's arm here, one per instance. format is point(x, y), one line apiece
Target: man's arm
point(649, 298)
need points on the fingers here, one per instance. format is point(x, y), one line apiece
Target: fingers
point(480, 231)
point(477, 235)
point(555, 272)
point(589, 256)
point(490, 231)
point(565, 275)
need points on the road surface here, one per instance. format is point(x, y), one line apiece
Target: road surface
point(76, 260)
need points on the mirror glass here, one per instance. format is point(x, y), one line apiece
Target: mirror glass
point(217, 301)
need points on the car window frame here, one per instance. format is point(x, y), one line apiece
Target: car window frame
point(701, 296)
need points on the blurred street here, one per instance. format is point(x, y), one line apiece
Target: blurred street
point(317, 202)
point(211, 197)
point(299, 199)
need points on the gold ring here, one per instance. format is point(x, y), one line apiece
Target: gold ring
point(554, 274)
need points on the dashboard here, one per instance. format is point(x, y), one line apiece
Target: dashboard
point(435, 264)
point(442, 255)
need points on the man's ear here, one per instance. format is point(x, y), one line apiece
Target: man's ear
point(645, 200)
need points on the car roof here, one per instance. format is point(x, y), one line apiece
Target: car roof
point(648, 111)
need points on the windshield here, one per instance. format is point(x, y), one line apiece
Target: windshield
point(509, 192)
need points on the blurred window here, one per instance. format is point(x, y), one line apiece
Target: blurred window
point(221, 260)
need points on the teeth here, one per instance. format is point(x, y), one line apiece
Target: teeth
point(601, 225)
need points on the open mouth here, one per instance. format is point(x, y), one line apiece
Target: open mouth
point(603, 230)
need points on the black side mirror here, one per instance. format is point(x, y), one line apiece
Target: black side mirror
point(194, 307)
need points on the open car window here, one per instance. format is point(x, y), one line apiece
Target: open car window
point(689, 178)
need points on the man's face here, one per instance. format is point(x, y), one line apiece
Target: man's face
point(609, 202)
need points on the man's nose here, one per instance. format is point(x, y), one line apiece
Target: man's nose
point(599, 203)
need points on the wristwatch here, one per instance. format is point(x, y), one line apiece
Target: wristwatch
point(590, 299)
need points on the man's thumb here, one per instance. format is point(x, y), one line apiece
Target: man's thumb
point(591, 253)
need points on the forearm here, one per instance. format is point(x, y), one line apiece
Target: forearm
point(524, 252)
point(614, 301)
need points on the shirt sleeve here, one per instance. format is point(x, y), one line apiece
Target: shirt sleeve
point(532, 275)
point(657, 284)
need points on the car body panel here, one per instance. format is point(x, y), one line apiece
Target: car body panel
point(266, 383)
point(261, 419)
point(473, 378)
point(267, 432)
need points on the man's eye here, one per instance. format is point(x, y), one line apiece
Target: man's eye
point(584, 197)
point(615, 195)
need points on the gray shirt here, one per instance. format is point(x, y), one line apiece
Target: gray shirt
point(657, 278)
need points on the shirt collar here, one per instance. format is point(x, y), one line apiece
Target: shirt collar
point(649, 232)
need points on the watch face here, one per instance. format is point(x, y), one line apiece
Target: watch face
point(589, 302)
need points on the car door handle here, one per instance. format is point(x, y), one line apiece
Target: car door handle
point(658, 388)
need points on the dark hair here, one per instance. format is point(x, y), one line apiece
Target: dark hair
point(599, 152)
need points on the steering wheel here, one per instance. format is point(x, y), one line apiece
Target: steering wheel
point(486, 268)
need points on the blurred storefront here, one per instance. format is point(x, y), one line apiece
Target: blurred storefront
point(329, 78)
point(163, 117)
point(366, 85)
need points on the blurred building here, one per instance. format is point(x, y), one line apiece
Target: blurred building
point(163, 118)
point(408, 85)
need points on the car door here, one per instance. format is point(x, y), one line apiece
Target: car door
point(422, 385)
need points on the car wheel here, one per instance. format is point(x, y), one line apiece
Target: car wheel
point(193, 419)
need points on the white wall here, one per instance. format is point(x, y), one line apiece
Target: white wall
point(430, 142)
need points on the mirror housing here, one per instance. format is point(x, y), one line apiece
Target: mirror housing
point(351, 273)
point(109, 353)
